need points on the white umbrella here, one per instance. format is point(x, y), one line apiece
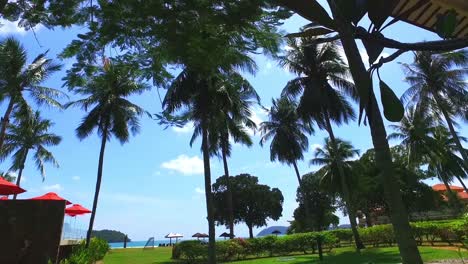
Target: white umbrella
point(173, 235)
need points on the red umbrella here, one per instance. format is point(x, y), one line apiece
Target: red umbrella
point(51, 196)
point(8, 188)
point(4, 198)
point(76, 209)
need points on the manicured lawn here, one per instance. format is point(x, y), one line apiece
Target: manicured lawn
point(342, 255)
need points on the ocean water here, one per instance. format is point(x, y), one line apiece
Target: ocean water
point(139, 243)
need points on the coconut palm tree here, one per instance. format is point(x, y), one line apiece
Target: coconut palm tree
point(319, 69)
point(236, 97)
point(20, 81)
point(109, 112)
point(288, 133)
point(436, 78)
point(30, 132)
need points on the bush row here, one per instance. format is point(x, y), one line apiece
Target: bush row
point(81, 255)
point(381, 235)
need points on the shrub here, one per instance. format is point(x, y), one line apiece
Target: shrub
point(97, 249)
point(190, 251)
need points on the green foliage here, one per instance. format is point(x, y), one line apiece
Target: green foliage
point(97, 249)
point(111, 236)
point(393, 108)
point(190, 251)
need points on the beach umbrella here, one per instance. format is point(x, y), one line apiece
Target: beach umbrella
point(173, 235)
point(200, 235)
point(225, 235)
point(276, 232)
point(8, 188)
point(51, 196)
point(76, 209)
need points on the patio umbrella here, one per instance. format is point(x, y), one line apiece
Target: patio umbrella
point(4, 198)
point(173, 235)
point(276, 232)
point(200, 235)
point(51, 196)
point(225, 235)
point(76, 209)
point(8, 188)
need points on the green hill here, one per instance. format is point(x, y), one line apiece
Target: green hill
point(111, 236)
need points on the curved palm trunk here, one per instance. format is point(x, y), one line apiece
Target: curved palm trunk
point(5, 122)
point(452, 131)
point(462, 183)
point(399, 216)
point(228, 192)
point(98, 184)
point(306, 199)
point(20, 173)
point(346, 193)
point(209, 198)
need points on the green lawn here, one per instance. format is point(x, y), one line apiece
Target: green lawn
point(344, 255)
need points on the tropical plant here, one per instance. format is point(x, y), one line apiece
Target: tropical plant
point(8, 176)
point(108, 110)
point(319, 69)
point(436, 78)
point(17, 79)
point(30, 132)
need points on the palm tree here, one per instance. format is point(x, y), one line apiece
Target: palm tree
point(318, 67)
point(31, 132)
point(435, 79)
point(236, 96)
point(18, 78)
point(334, 157)
point(108, 111)
point(288, 133)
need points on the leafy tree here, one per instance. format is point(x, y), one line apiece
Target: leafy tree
point(108, 110)
point(30, 132)
point(18, 79)
point(321, 206)
point(254, 203)
point(435, 78)
point(345, 23)
point(319, 67)
point(8, 176)
point(111, 236)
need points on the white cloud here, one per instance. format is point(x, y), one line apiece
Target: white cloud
point(313, 147)
point(258, 116)
point(54, 187)
point(8, 27)
point(76, 178)
point(188, 128)
point(199, 190)
point(185, 165)
point(156, 173)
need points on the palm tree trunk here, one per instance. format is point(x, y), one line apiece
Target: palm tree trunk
point(452, 131)
point(308, 215)
point(20, 173)
point(298, 175)
point(462, 183)
point(344, 187)
point(399, 216)
point(228, 192)
point(98, 182)
point(6, 121)
point(209, 198)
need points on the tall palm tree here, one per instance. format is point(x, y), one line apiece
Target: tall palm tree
point(108, 111)
point(288, 133)
point(319, 69)
point(436, 78)
point(236, 97)
point(30, 132)
point(334, 157)
point(17, 79)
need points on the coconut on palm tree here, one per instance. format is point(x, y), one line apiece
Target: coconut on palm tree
point(108, 111)
point(320, 69)
point(21, 81)
point(30, 133)
point(438, 86)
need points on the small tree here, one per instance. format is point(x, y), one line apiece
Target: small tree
point(254, 203)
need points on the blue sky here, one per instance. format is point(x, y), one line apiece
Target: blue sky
point(153, 185)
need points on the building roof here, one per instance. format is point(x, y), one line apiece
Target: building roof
point(424, 13)
point(463, 195)
point(441, 188)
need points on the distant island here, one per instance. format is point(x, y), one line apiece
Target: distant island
point(111, 236)
point(267, 231)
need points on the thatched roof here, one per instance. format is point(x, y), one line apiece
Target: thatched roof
point(424, 13)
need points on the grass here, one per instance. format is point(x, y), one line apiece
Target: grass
point(341, 255)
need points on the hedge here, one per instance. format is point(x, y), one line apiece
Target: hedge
point(97, 249)
point(306, 243)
